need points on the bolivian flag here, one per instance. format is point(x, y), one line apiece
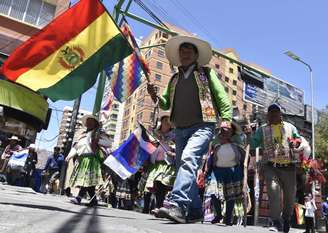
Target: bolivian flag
point(62, 60)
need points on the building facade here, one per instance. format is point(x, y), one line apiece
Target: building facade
point(110, 124)
point(65, 123)
point(20, 19)
point(139, 106)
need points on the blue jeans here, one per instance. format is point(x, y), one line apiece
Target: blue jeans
point(191, 144)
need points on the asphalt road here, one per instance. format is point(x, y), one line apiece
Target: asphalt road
point(24, 211)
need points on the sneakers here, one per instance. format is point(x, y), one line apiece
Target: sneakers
point(157, 213)
point(76, 201)
point(173, 213)
point(286, 226)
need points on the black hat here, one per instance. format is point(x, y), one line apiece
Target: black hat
point(274, 106)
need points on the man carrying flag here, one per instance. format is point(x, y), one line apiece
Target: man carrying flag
point(63, 60)
point(196, 99)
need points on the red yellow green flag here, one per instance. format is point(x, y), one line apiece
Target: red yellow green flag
point(63, 60)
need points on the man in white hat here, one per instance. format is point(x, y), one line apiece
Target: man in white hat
point(8, 152)
point(196, 100)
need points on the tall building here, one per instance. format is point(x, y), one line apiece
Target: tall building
point(20, 19)
point(65, 123)
point(111, 126)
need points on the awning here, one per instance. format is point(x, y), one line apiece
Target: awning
point(23, 99)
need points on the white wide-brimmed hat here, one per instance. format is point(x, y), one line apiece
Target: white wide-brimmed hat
point(14, 138)
point(172, 49)
point(86, 117)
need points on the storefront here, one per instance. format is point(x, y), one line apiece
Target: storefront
point(23, 112)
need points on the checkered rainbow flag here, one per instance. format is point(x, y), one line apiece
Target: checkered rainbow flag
point(127, 74)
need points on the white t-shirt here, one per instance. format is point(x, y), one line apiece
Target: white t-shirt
point(310, 208)
point(225, 156)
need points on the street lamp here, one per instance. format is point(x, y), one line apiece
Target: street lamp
point(297, 58)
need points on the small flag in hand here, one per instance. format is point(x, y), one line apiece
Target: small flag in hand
point(130, 156)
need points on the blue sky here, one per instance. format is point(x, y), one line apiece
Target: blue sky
point(260, 31)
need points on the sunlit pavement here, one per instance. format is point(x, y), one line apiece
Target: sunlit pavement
point(24, 211)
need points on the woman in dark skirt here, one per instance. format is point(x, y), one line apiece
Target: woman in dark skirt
point(227, 161)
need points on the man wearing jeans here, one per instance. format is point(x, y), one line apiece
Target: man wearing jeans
point(195, 98)
point(278, 165)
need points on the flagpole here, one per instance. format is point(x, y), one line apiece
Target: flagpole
point(102, 76)
point(100, 92)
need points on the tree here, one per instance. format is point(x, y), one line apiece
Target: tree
point(321, 141)
point(321, 136)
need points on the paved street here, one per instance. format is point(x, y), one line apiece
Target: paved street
point(24, 211)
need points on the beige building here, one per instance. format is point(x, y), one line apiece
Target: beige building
point(110, 125)
point(65, 123)
point(20, 19)
point(139, 106)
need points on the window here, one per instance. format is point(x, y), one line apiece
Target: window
point(148, 53)
point(151, 117)
point(112, 126)
point(113, 117)
point(217, 66)
point(18, 9)
point(141, 103)
point(226, 79)
point(165, 35)
point(134, 107)
point(139, 116)
point(159, 65)
point(234, 102)
point(131, 119)
point(33, 11)
point(234, 92)
point(226, 89)
point(158, 77)
point(4, 7)
point(125, 123)
point(36, 12)
point(245, 107)
point(161, 53)
point(230, 70)
point(234, 82)
point(127, 112)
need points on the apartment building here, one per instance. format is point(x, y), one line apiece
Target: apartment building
point(65, 123)
point(20, 19)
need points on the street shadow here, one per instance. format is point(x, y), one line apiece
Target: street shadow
point(93, 224)
point(71, 223)
point(53, 208)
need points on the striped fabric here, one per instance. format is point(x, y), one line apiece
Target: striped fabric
point(127, 75)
